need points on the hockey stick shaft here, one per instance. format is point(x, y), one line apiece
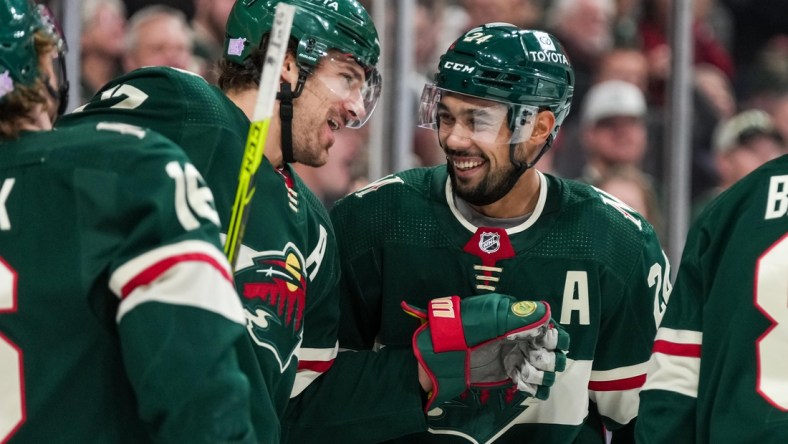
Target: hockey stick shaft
point(258, 131)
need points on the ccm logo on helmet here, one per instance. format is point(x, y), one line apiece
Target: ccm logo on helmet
point(459, 67)
point(544, 56)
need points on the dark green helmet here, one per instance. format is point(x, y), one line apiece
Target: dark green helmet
point(318, 25)
point(19, 22)
point(507, 64)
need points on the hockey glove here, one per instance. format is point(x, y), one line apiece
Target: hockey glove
point(488, 341)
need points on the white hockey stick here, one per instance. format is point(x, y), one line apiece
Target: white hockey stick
point(258, 131)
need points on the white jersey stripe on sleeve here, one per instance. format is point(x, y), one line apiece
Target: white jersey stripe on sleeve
point(318, 354)
point(616, 391)
point(302, 380)
point(673, 373)
point(147, 266)
point(312, 362)
point(679, 336)
point(621, 405)
point(620, 373)
point(195, 283)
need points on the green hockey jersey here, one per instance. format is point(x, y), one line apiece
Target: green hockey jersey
point(118, 316)
point(289, 251)
point(594, 260)
point(719, 372)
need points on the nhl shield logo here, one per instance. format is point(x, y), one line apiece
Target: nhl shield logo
point(489, 242)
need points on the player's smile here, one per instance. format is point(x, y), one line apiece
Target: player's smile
point(466, 167)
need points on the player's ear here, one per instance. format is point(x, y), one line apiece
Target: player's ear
point(289, 72)
point(545, 121)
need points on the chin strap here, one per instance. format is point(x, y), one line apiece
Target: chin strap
point(60, 94)
point(521, 167)
point(285, 97)
point(286, 117)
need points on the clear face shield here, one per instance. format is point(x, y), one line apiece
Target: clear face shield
point(473, 118)
point(357, 87)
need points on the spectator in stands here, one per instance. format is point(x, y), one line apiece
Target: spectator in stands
point(521, 13)
point(585, 29)
point(707, 48)
point(623, 63)
point(625, 23)
point(159, 35)
point(627, 64)
point(101, 43)
point(779, 113)
point(613, 128)
point(755, 25)
point(768, 75)
point(427, 22)
point(742, 144)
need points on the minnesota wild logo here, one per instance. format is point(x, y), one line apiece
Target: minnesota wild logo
point(274, 297)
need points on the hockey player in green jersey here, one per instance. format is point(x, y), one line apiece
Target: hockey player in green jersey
point(118, 316)
point(288, 254)
point(489, 222)
point(288, 268)
point(718, 372)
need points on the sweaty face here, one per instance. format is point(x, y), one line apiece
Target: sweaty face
point(474, 136)
point(332, 97)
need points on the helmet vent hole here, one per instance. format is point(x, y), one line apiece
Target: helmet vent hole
point(351, 32)
point(511, 78)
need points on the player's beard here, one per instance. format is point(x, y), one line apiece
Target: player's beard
point(494, 186)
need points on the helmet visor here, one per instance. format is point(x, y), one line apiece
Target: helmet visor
point(357, 87)
point(477, 119)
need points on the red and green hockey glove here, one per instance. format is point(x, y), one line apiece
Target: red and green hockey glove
point(489, 340)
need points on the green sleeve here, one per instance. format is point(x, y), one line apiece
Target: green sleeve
point(179, 317)
point(365, 396)
point(668, 401)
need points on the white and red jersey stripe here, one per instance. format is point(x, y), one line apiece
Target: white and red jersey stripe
point(312, 362)
point(675, 362)
point(193, 273)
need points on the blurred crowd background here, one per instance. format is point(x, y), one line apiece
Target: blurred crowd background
point(620, 51)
